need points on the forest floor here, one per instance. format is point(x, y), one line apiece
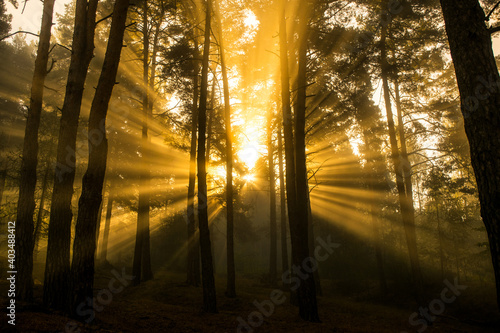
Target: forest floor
point(168, 304)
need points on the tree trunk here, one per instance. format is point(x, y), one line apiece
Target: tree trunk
point(193, 270)
point(478, 83)
point(41, 209)
point(405, 167)
point(29, 161)
point(311, 243)
point(455, 252)
point(99, 217)
point(156, 37)
point(84, 247)
point(406, 203)
point(405, 162)
point(107, 225)
point(147, 270)
point(299, 229)
point(209, 296)
point(377, 245)
point(210, 116)
point(57, 267)
point(231, 275)
point(291, 195)
point(193, 265)
point(374, 186)
point(141, 268)
point(440, 238)
point(283, 238)
point(273, 236)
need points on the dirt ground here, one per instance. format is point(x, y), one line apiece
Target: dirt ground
point(167, 304)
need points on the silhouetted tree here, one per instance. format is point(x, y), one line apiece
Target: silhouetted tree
point(283, 233)
point(472, 54)
point(193, 259)
point(231, 275)
point(273, 235)
point(107, 223)
point(26, 204)
point(57, 267)
point(401, 168)
point(85, 245)
point(308, 308)
point(208, 283)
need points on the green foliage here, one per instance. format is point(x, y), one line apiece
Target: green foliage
point(5, 19)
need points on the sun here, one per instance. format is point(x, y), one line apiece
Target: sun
point(249, 147)
point(249, 154)
point(250, 20)
point(249, 178)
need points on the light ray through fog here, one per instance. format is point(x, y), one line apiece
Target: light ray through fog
point(249, 117)
point(353, 195)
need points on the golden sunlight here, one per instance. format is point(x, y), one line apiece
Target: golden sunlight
point(249, 154)
point(249, 178)
point(250, 20)
point(212, 151)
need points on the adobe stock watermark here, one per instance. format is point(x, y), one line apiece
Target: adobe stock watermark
point(436, 307)
point(103, 298)
point(294, 276)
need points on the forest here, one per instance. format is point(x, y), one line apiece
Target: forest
point(250, 166)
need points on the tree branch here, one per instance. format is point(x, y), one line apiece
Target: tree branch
point(51, 66)
point(492, 10)
point(64, 47)
point(51, 89)
point(493, 30)
point(18, 32)
point(104, 18)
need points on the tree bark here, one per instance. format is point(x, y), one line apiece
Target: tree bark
point(208, 283)
point(308, 308)
point(27, 183)
point(57, 267)
point(84, 248)
point(471, 50)
point(291, 195)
